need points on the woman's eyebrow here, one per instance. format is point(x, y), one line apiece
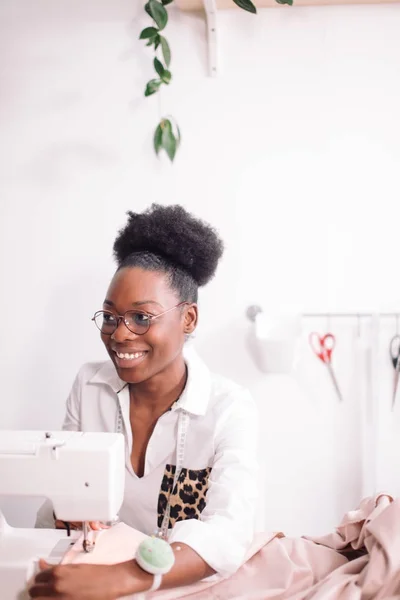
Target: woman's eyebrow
point(138, 303)
point(141, 302)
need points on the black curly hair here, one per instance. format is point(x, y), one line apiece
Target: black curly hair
point(170, 240)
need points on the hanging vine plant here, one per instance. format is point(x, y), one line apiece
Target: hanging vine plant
point(167, 136)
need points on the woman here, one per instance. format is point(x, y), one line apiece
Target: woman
point(162, 398)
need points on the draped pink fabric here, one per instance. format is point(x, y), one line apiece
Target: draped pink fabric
point(358, 561)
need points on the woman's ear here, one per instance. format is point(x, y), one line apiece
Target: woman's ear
point(190, 319)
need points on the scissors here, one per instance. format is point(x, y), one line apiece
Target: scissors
point(394, 351)
point(323, 348)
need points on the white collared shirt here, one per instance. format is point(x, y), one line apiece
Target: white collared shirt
point(213, 509)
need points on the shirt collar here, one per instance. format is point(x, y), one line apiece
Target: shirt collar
point(108, 375)
point(195, 396)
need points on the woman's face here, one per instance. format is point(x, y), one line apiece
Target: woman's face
point(148, 291)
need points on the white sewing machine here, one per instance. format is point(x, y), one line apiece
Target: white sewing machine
point(83, 474)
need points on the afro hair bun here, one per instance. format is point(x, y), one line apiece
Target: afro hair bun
point(174, 234)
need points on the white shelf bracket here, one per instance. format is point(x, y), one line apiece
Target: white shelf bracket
point(210, 7)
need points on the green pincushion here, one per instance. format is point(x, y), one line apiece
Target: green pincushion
point(155, 556)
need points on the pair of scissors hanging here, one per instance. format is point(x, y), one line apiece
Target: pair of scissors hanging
point(323, 347)
point(394, 352)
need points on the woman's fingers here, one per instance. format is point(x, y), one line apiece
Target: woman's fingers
point(98, 525)
point(40, 591)
point(64, 524)
point(77, 525)
point(46, 573)
point(44, 564)
point(83, 582)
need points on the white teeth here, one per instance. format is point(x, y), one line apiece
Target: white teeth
point(129, 356)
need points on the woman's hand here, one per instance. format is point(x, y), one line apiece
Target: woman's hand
point(89, 582)
point(95, 525)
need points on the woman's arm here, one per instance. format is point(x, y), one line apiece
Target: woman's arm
point(216, 543)
point(189, 567)
point(101, 582)
point(225, 529)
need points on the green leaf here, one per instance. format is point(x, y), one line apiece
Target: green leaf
point(165, 50)
point(150, 42)
point(158, 13)
point(157, 42)
point(159, 67)
point(290, 2)
point(147, 33)
point(158, 139)
point(147, 9)
point(246, 5)
point(152, 87)
point(168, 139)
point(166, 124)
point(166, 76)
point(165, 2)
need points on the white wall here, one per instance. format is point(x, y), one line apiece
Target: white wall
point(292, 152)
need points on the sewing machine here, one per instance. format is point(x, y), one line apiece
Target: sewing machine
point(83, 474)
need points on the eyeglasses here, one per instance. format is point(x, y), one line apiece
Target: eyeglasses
point(136, 321)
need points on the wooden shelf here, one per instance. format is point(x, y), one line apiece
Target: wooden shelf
point(211, 8)
point(189, 5)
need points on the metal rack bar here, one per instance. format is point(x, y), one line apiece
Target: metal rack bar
point(254, 310)
point(353, 315)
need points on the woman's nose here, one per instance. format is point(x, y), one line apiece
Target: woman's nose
point(122, 332)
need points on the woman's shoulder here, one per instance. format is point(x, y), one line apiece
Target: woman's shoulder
point(232, 409)
point(206, 389)
point(210, 391)
point(228, 392)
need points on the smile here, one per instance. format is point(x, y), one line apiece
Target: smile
point(130, 356)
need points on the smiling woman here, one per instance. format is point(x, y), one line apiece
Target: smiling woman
point(191, 436)
point(163, 256)
point(136, 321)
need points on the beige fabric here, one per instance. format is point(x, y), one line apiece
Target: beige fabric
point(114, 545)
point(279, 568)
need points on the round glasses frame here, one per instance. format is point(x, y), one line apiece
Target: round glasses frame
point(119, 318)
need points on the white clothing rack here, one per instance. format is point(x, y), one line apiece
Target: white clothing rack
point(351, 315)
point(254, 310)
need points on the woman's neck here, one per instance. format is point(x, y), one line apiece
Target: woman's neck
point(160, 392)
